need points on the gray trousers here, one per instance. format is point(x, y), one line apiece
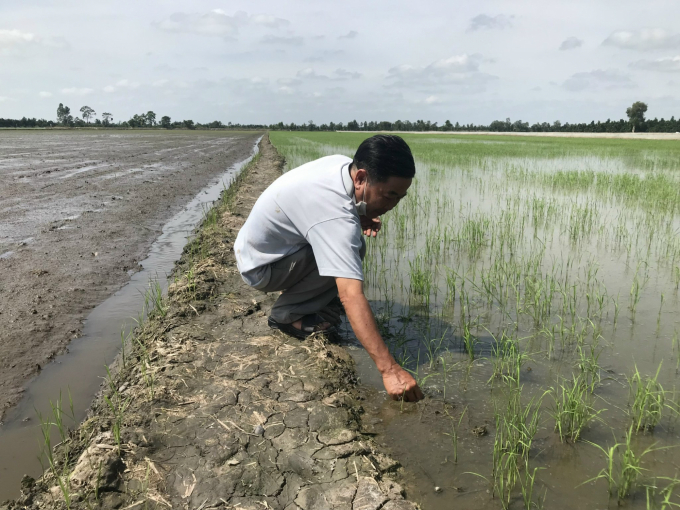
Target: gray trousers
point(304, 290)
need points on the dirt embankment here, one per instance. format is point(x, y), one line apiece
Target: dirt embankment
point(212, 409)
point(78, 211)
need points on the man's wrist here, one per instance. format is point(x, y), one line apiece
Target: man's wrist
point(386, 365)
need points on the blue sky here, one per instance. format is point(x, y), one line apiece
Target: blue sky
point(265, 61)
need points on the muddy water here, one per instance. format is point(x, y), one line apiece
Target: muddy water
point(80, 371)
point(420, 436)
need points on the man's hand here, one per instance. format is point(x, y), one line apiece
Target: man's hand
point(370, 226)
point(400, 384)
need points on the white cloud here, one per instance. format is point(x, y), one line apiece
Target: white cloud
point(643, 40)
point(16, 42)
point(597, 80)
point(45, 94)
point(486, 22)
point(127, 84)
point(4, 98)
point(343, 74)
point(459, 71)
point(269, 21)
point(349, 35)
point(337, 75)
point(324, 56)
point(217, 23)
point(286, 40)
point(665, 65)
point(432, 100)
point(75, 91)
point(122, 84)
point(160, 83)
point(571, 43)
point(12, 37)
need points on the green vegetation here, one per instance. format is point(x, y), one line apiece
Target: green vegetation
point(517, 267)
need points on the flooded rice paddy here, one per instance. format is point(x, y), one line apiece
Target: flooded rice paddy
point(531, 287)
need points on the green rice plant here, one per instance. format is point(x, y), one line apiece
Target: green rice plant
point(623, 469)
point(158, 307)
point(572, 407)
point(469, 341)
point(660, 498)
point(58, 468)
point(507, 360)
point(647, 400)
point(527, 488)
point(588, 364)
point(636, 290)
point(118, 406)
point(421, 279)
point(455, 427)
point(516, 426)
point(434, 347)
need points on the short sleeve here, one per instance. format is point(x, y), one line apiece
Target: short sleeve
point(336, 244)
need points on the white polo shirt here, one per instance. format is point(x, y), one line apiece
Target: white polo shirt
point(312, 204)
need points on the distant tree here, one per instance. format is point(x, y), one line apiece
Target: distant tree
point(64, 115)
point(166, 122)
point(636, 115)
point(447, 126)
point(189, 124)
point(150, 118)
point(79, 122)
point(107, 118)
point(87, 113)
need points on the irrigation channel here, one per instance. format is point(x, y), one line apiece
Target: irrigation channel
point(76, 375)
point(531, 286)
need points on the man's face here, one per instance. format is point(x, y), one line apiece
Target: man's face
point(380, 197)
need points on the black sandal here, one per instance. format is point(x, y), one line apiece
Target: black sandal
point(310, 325)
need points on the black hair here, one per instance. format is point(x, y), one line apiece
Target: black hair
point(384, 156)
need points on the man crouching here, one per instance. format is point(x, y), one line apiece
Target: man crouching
point(304, 238)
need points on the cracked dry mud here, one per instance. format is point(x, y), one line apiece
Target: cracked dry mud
point(223, 412)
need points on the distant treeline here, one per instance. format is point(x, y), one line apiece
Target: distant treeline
point(636, 122)
point(671, 125)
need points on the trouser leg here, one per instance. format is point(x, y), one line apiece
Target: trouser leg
point(305, 291)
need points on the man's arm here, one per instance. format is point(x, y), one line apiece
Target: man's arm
point(398, 382)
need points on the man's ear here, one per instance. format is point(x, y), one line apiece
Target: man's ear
point(361, 176)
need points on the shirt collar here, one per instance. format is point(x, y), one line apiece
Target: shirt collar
point(347, 179)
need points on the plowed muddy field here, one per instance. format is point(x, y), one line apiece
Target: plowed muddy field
point(78, 211)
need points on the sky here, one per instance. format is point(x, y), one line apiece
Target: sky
point(264, 61)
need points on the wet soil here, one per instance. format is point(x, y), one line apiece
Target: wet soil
point(215, 410)
point(78, 211)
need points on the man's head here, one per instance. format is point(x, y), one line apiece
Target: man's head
point(382, 171)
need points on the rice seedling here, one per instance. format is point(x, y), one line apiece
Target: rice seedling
point(58, 468)
point(507, 360)
point(455, 427)
point(118, 405)
point(527, 488)
point(623, 470)
point(660, 498)
point(572, 407)
point(647, 400)
point(588, 364)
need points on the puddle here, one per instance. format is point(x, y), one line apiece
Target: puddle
point(81, 370)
